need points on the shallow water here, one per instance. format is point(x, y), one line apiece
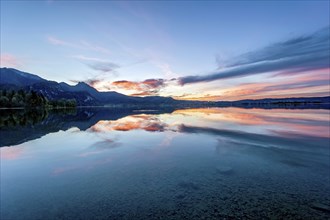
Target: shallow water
point(170, 164)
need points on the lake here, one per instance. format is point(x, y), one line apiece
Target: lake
point(210, 163)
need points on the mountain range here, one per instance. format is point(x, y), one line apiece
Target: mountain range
point(85, 95)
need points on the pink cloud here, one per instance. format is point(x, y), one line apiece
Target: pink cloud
point(8, 60)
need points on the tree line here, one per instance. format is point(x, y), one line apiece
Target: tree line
point(31, 99)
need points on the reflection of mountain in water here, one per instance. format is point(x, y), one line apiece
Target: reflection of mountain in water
point(19, 126)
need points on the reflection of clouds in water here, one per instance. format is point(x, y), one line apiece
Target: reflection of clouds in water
point(133, 122)
point(61, 170)
point(167, 140)
point(74, 130)
point(299, 143)
point(286, 156)
point(100, 146)
point(105, 144)
point(223, 147)
point(11, 153)
point(301, 122)
point(309, 122)
point(80, 167)
point(96, 149)
point(293, 129)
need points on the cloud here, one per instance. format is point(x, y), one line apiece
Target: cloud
point(84, 45)
point(153, 83)
point(310, 52)
point(8, 60)
point(144, 93)
point(104, 67)
point(127, 85)
point(295, 85)
point(142, 88)
point(101, 65)
point(307, 84)
point(56, 41)
point(92, 47)
point(98, 81)
point(91, 82)
point(84, 58)
point(310, 83)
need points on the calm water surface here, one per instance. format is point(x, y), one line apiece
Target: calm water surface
point(214, 163)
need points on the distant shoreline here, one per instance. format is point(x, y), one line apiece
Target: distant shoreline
point(139, 108)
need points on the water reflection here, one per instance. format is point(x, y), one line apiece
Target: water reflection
point(298, 129)
point(144, 122)
point(19, 126)
point(174, 164)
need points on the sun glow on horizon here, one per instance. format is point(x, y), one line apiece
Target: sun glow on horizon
point(272, 86)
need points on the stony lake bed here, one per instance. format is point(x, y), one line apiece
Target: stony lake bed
point(211, 163)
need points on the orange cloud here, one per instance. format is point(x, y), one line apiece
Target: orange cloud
point(128, 85)
point(142, 88)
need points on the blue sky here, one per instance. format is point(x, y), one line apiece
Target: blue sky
point(101, 42)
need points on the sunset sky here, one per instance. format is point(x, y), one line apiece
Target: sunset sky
point(187, 50)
